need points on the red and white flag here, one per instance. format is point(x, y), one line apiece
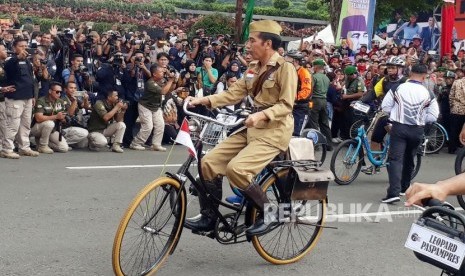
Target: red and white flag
point(184, 138)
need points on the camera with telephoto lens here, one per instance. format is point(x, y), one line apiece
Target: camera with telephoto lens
point(89, 41)
point(113, 38)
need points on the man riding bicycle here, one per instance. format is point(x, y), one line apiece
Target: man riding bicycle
point(271, 83)
point(390, 82)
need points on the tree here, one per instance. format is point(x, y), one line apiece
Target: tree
point(209, 1)
point(281, 4)
point(214, 24)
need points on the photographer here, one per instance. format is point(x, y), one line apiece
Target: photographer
point(177, 56)
point(49, 111)
point(207, 76)
point(106, 120)
point(113, 74)
point(150, 111)
point(42, 77)
point(77, 73)
point(188, 78)
point(74, 131)
point(205, 50)
point(134, 82)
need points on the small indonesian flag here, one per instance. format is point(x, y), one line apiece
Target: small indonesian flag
point(184, 138)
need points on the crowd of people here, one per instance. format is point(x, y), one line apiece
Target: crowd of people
point(76, 88)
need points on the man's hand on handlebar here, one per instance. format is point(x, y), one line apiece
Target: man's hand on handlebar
point(192, 102)
point(419, 191)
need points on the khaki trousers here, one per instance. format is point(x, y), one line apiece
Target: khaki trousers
point(99, 140)
point(47, 135)
point(239, 160)
point(150, 120)
point(18, 124)
point(76, 137)
point(2, 123)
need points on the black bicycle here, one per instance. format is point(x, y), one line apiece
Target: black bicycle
point(152, 225)
point(438, 237)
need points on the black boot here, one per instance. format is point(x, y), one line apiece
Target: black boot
point(258, 197)
point(207, 219)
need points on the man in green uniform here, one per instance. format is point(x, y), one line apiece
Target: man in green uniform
point(49, 111)
point(150, 111)
point(271, 83)
point(353, 90)
point(318, 112)
point(106, 120)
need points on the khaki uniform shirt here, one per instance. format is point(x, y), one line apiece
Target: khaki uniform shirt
point(276, 97)
point(48, 108)
point(96, 122)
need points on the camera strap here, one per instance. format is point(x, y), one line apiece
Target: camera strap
point(262, 78)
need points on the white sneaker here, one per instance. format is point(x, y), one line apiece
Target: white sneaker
point(136, 147)
point(336, 140)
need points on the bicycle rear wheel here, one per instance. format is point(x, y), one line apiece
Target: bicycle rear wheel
point(417, 162)
point(346, 162)
point(150, 228)
point(436, 138)
point(291, 241)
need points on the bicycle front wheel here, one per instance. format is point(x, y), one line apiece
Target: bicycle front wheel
point(460, 168)
point(354, 128)
point(346, 162)
point(290, 241)
point(436, 139)
point(150, 228)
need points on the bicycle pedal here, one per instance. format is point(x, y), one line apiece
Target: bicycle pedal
point(210, 234)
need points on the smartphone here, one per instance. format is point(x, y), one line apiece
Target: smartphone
point(79, 94)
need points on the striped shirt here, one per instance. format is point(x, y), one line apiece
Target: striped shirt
point(411, 104)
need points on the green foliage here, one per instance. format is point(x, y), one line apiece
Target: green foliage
point(262, 7)
point(214, 24)
point(46, 23)
point(209, 1)
point(281, 4)
point(314, 5)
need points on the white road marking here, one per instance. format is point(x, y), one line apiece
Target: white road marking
point(121, 167)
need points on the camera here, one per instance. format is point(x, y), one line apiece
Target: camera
point(83, 69)
point(117, 60)
point(137, 59)
point(204, 42)
point(43, 61)
point(124, 101)
point(89, 41)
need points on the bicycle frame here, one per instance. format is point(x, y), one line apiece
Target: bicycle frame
point(362, 141)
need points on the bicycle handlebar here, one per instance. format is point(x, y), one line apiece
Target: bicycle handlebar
point(209, 119)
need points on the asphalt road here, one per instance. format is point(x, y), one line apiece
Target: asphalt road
point(61, 221)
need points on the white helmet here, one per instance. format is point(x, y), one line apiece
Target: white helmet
point(397, 61)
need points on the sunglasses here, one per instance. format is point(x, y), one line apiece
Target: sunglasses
point(57, 91)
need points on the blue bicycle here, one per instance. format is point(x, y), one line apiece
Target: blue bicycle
point(349, 157)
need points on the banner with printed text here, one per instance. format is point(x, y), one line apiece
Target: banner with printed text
point(356, 23)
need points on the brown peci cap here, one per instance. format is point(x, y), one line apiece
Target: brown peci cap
point(265, 26)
